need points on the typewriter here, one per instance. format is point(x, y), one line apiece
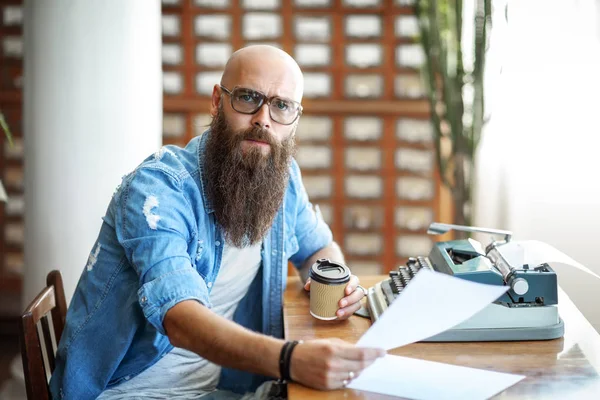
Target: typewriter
point(527, 311)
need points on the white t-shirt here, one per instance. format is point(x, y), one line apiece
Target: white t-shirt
point(182, 374)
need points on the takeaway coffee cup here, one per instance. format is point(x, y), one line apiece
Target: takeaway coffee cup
point(328, 281)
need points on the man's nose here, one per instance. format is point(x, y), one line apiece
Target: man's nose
point(262, 118)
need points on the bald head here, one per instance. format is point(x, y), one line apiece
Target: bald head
point(264, 68)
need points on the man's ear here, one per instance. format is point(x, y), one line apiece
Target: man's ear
point(215, 100)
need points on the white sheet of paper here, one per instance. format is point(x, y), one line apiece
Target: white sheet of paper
point(421, 379)
point(535, 252)
point(432, 303)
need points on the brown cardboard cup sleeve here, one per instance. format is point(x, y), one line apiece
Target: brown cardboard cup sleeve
point(328, 281)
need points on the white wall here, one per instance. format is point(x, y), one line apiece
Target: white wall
point(92, 112)
point(539, 160)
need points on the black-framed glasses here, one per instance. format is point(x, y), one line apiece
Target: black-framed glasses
point(247, 101)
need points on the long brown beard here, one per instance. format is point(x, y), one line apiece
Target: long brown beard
point(246, 189)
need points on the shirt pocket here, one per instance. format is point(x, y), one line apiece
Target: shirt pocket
point(291, 246)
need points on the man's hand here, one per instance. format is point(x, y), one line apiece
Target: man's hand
point(327, 364)
point(349, 304)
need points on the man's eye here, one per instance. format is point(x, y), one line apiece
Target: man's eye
point(246, 97)
point(282, 105)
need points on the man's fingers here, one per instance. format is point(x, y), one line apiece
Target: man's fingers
point(356, 367)
point(355, 297)
point(363, 354)
point(351, 371)
point(352, 284)
point(307, 284)
point(330, 363)
point(347, 312)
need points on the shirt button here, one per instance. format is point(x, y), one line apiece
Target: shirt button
point(209, 284)
point(127, 377)
point(218, 243)
point(143, 300)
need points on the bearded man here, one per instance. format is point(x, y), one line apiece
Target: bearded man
point(182, 294)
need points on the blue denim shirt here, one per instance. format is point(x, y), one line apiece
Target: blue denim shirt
point(159, 245)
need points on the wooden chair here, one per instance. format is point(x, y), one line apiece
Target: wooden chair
point(38, 349)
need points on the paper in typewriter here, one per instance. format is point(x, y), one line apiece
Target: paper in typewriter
point(534, 253)
point(430, 304)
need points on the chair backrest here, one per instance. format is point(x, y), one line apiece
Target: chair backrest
point(38, 344)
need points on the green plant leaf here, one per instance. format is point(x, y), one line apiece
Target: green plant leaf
point(6, 129)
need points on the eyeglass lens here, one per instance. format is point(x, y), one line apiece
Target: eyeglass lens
point(248, 101)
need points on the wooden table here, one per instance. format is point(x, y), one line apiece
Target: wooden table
point(565, 368)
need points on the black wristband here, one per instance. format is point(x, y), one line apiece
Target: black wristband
point(288, 359)
point(284, 350)
point(284, 360)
